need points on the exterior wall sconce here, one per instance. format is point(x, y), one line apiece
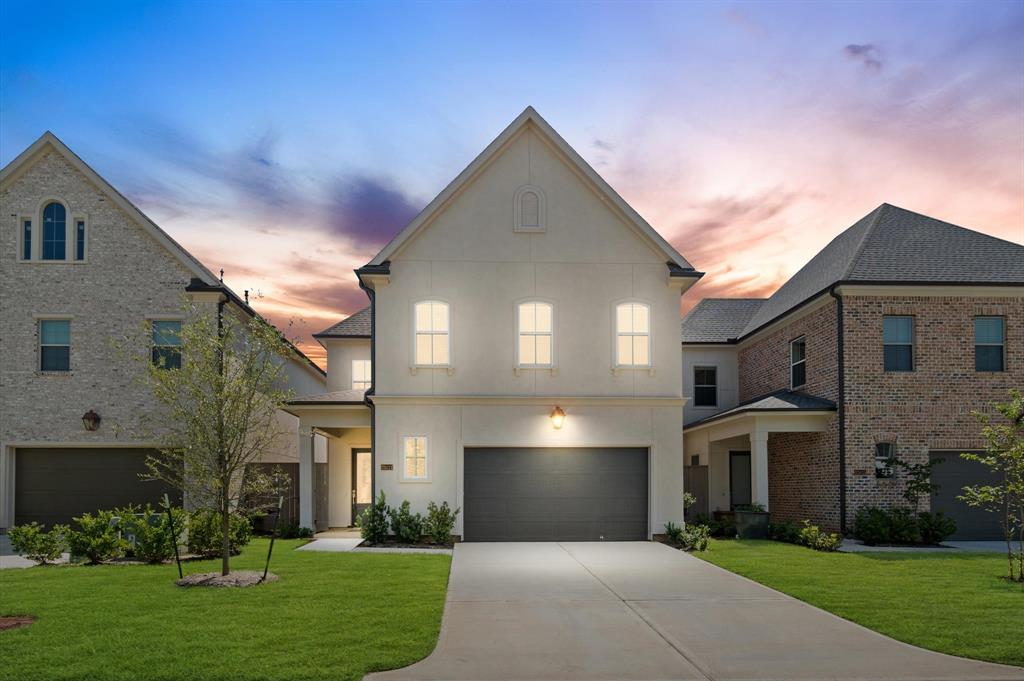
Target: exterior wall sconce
point(557, 417)
point(91, 420)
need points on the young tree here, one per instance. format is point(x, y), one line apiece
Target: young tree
point(219, 402)
point(1004, 455)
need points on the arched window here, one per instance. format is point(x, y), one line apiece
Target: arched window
point(535, 334)
point(529, 209)
point(632, 335)
point(54, 231)
point(432, 347)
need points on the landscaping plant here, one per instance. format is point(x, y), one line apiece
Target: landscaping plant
point(935, 528)
point(440, 522)
point(1004, 456)
point(218, 410)
point(406, 525)
point(373, 522)
point(815, 538)
point(204, 533)
point(150, 530)
point(97, 538)
point(36, 544)
point(674, 533)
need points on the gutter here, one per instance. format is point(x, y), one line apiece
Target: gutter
point(841, 406)
point(371, 294)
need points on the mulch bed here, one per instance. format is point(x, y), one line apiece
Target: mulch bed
point(238, 578)
point(15, 622)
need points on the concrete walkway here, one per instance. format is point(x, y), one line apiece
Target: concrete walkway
point(643, 611)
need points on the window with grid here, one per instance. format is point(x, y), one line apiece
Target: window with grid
point(798, 362)
point(885, 452)
point(54, 231)
point(989, 344)
point(705, 386)
point(55, 345)
point(432, 343)
point(414, 455)
point(166, 344)
point(898, 343)
point(535, 334)
point(632, 335)
point(361, 374)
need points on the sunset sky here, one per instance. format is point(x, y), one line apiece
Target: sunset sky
point(287, 142)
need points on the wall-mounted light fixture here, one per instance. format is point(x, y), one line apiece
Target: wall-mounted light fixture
point(91, 420)
point(557, 417)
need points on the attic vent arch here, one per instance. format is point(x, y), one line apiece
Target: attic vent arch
point(530, 209)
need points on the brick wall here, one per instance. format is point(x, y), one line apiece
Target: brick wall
point(930, 407)
point(803, 477)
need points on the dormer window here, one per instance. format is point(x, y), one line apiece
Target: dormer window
point(55, 232)
point(529, 209)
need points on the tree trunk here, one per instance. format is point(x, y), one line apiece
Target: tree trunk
point(225, 538)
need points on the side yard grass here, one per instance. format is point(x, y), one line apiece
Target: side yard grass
point(331, 616)
point(952, 602)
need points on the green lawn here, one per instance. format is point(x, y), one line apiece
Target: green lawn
point(950, 602)
point(332, 616)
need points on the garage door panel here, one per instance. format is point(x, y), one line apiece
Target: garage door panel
point(54, 485)
point(951, 475)
point(536, 494)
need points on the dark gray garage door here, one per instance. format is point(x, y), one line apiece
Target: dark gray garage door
point(538, 494)
point(54, 485)
point(951, 475)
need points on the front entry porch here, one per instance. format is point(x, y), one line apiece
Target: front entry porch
point(727, 455)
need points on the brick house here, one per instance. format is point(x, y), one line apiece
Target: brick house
point(885, 342)
point(79, 267)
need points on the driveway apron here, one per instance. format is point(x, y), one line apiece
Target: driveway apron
point(642, 611)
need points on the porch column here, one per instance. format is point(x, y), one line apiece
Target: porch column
point(306, 477)
point(759, 468)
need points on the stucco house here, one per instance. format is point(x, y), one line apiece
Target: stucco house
point(523, 356)
point(79, 267)
point(883, 343)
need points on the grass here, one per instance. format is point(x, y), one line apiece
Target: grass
point(954, 603)
point(332, 615)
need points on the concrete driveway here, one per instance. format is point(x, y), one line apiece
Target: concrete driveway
point(640, 610)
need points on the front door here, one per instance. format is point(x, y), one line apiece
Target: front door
point(362, 482)
point(739, 479)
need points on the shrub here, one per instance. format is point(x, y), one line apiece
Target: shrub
point(696, 537)
point(98, 539)
point(440, 522)
point(871, 525)
point(724, 529)
point(815, 538)
point(935, 528)
point(785, 531)
point(903, 527)
point(149, 532)
point(294, 531)
point(407, 526)
point(204, 534)
point(673, 533)
point(35, 544)
point(373, 522)
point(874, 525)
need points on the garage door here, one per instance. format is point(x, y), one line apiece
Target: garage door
point(55, 485)
point(545, 494)
point(951, 475)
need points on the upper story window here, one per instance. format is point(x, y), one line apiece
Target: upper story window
point(79, 239)
point(989, 344)
point(705, 386)
point(361, 374)
point(167, 344)
point(535, 334)
point(55, 345)
point(54, 231)
point(529, 209)
point(414, 457)
point(432, 342)
point(632, 335)
point(797, 362)
point(26, 239)
point(898, 343)
point(885, 452)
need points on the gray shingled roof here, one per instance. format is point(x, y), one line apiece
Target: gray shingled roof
point(337, 397)
point(717, 320)
point(778, 401)
point(356, 325)
point(891, 244)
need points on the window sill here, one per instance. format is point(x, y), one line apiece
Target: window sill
point(619, 369)
point(526, 367)
point(416, 368)
point(413, 481)
point(40, 372)
point(22, 261)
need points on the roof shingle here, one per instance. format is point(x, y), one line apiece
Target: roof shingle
point(357, 325)
point(718, 320)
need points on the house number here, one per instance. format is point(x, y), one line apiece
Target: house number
point(387, 466)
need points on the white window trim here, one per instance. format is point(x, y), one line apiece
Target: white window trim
point(520, 366)
point(369, 379)
point(39, 319)
point(616, 367)
point(974, 333)
point(793, 364)
point(402, 477)
point(414, 366)
point(517, 225)
point(705, 365)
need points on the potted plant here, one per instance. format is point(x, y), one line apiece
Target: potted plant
point(751, 521)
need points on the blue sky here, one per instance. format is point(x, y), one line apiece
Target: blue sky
point(287, 141)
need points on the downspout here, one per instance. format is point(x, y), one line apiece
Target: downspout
point(370, 293)
point(841, 407)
